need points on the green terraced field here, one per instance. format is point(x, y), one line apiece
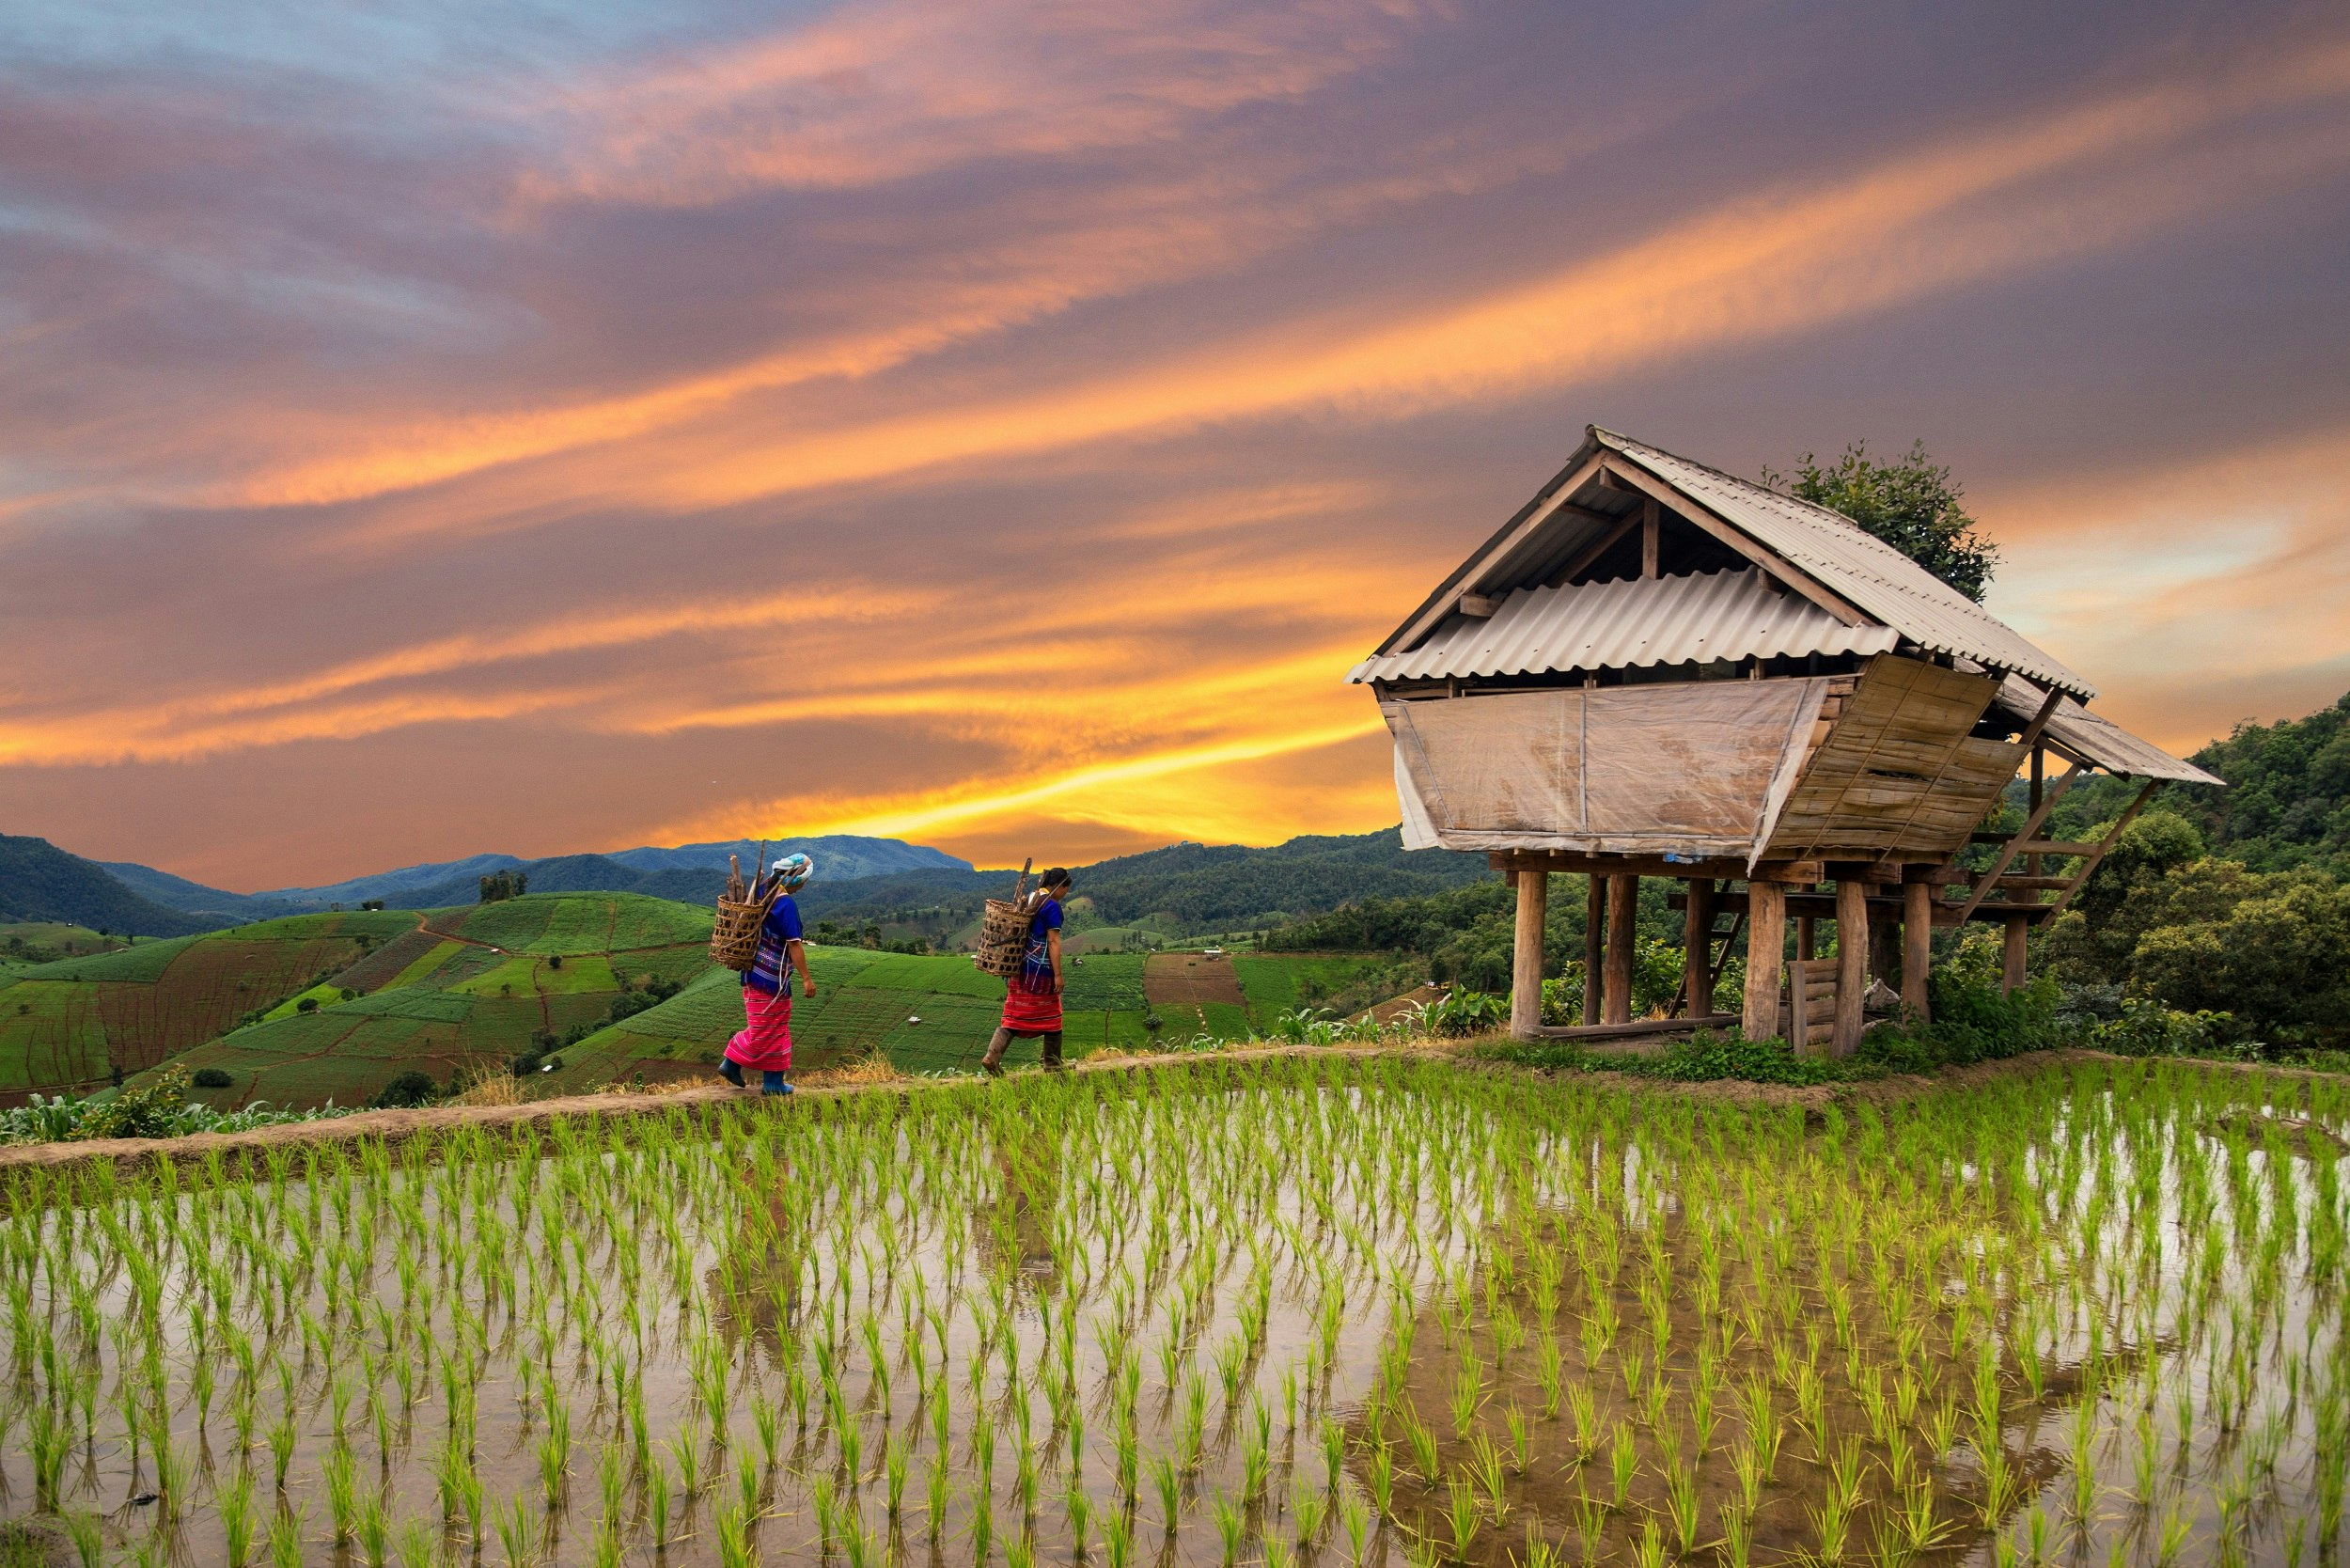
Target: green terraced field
point(68, 1025)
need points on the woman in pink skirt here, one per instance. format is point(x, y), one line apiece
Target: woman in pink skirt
point(1032, 996)
point(764, 1045)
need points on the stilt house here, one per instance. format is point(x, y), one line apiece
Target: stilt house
point(1658, 669)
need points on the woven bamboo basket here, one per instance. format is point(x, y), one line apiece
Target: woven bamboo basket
point(1004, 931)
point(734, 934)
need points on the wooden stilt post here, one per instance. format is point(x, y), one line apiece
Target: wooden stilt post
point(1623, 902)
point(1526, 978)
point(2011, 953)
point(1917, 946)
point(1697, 949)
point(1807, 938)
point(1766, 957)
point(1852, 962)
point(1885, 951)
point(1595, 924)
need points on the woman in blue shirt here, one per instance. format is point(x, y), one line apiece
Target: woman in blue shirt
point(764, 1044)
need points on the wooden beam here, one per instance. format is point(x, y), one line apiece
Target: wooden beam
point(2011, 953)
point(1745, 544)
point(1651, 528)
point(1917, 947)
point(1581, 561)
point(1479, 606)
point(1766, 957)
point(1526, 978)
point(1595, 926)
point(2097, 850)
point(1697, 949)
point(1624, 905)
point(1640, 1028)
point(2030, 830)
point(1725, 868)
point(1807, 938)
point(1852, 963)
point(1882, 906)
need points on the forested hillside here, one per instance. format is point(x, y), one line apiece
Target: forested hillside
point(42, 882)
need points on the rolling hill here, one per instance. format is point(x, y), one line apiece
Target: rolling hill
point(460, 988)
point(934, 1015)
point(71, 1025)
point(39, 882)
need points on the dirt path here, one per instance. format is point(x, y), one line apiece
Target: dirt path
point(398, 1126)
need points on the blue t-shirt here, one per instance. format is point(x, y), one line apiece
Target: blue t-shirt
point(781, 925)
point(1036, 964)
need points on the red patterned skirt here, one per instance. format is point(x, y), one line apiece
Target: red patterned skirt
point(1031, 1012)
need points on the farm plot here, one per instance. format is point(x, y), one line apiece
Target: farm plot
point(1305, 1309)
point(69, 1024)
point(1191, 978)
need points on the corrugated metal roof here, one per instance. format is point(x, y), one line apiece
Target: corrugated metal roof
point(1874, 577)
point(1631, 622)
point(2099, 739)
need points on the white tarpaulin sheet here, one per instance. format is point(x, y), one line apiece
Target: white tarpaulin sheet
point(1687, 767)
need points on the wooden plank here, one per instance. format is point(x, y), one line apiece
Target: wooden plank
point(1697, 949)
point(1852, 960)
point(2011, 951)
point(1525, 969)
point(1767, 952)
point(1649, 530)
point(1641, 1027)
point(1917, 947)
point(1594, 923)
point(1624, 900)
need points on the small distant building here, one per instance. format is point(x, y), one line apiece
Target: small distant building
point(1656, 668)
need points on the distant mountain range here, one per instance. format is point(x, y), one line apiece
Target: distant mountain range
point(692, 872)
point(1203, 886)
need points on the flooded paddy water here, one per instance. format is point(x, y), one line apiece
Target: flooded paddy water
point(1278, 1311)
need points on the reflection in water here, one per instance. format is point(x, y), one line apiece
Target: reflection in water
point(1328, 1311)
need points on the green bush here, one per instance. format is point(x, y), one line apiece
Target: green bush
point(212, 1078)
point(408, 1089)
point(146, 1111)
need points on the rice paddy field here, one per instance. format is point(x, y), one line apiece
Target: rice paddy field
point(1309, 1310)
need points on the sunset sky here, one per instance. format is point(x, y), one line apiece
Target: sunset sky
point(1001, 423)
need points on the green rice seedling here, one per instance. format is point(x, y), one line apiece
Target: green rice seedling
point(734, 1548)
point(1422, 1440)
point(1463, 1517)
point(1832, 1524)
point(342, 1490)
point(657, 1499)
point(897, 1458)
point(1521, 1440)
point(1167, 1481)
point(518, 1533)
point(234, 1505)
point(1231, 1527)
point(1380, 1465)
point(285, 1538)
point(1624, 1463)
point(373, 1529)
point(1680, 1498)
point(1468, 1396)
point(1309, 1506)
point(1118, 1538)
point(1549, 1368)
point(417, 1549)
point(935, 1494)
point(283, 1435)
point(1582, 1409)
point(1355, 1521)
point(1485, 1467)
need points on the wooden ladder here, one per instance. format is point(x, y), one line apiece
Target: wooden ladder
point(2028, 889)
point(1809, 1006)
point(1718, 943)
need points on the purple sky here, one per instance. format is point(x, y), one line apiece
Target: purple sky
point(1001, 424)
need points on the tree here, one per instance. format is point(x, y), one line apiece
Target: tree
point(1910, 504)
